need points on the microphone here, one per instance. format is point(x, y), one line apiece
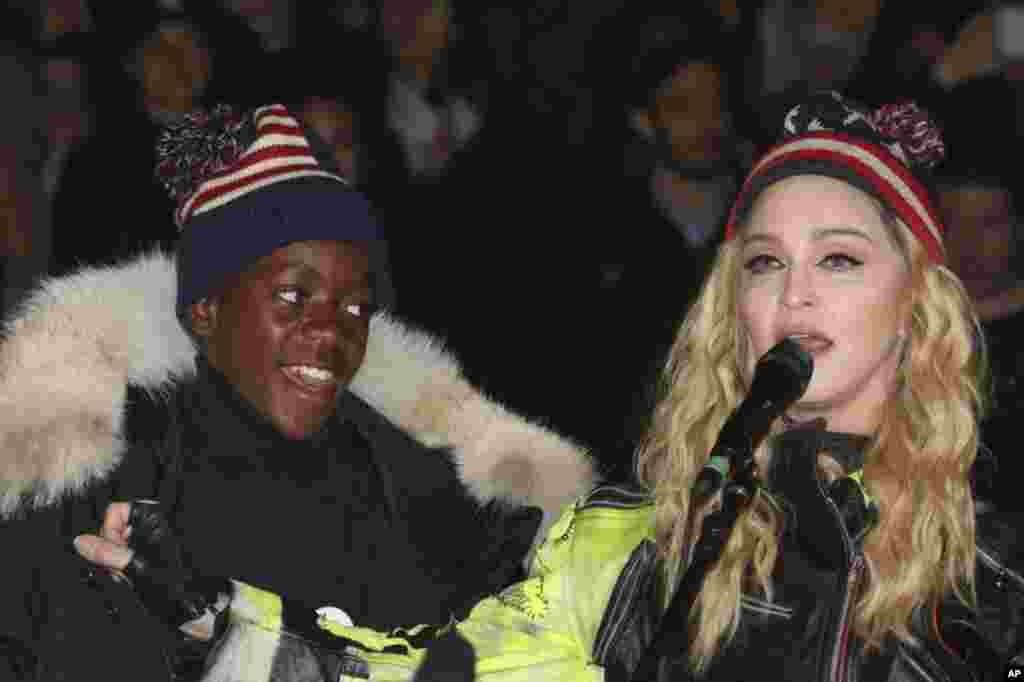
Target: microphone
point(172, 593)
point(780, 377)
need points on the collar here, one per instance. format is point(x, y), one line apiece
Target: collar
point(220, 400)
point(828, 521)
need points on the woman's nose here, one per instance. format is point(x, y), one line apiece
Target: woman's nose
point(799, 289)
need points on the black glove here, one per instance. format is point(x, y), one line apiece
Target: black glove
point(169, 591)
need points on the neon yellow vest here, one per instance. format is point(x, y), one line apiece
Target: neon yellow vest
point(541, 628)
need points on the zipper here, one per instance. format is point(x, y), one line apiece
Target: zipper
point(639, 569)
point(839, 666)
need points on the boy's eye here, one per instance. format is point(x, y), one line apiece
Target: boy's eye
point(291, 296)
point(360, 309)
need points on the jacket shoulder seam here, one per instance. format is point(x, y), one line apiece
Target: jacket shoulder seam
point(615, 496)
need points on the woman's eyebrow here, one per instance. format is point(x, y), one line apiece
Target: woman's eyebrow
point(759, 237)
point(842, 231)
point(817, 234)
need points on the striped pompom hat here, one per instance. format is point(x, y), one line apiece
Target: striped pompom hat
point(884, 152)
point(246, 184)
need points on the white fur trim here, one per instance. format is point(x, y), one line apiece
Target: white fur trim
point(77, 342)
point(499, 454)
point(69, 352)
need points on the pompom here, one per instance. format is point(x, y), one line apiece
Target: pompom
point(902, 127)
point(918, 136)
point(198, 146)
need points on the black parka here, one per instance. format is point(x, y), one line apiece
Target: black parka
point(101, 400)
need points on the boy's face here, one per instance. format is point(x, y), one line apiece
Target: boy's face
point(290, 332)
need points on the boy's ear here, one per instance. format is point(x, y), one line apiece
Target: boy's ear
point(203, 317)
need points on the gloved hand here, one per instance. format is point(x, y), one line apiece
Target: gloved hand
point(152, 561)
point(175, 595)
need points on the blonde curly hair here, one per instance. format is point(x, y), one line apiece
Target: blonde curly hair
point(916, 468)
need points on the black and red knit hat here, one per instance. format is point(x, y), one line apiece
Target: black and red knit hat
point(246, 184)
point(881, 151)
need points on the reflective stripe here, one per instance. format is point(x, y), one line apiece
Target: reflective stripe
point(257, 606)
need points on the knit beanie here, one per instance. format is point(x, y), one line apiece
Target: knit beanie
point(886, 152)
point(246, 184)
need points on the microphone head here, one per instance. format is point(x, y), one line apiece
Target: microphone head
point(781, 375)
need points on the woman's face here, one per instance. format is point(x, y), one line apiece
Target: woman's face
point(817, 264)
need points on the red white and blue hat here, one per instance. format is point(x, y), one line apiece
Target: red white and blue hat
point(246, 184)
point(882, 152)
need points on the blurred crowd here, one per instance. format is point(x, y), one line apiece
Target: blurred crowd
point(552, 178)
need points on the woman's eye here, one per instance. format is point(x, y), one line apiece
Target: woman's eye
point(840, 262)
point(762, 263)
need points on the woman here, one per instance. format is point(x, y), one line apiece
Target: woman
point(856, 556)
point(833, 244)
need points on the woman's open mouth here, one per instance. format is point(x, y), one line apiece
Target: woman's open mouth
point(812, 343)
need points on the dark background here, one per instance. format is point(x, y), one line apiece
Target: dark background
point(533, 248)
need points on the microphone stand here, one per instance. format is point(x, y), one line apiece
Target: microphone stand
point(715, 532)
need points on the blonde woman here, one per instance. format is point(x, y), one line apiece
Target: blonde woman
point(832, 243)
point(857, 557)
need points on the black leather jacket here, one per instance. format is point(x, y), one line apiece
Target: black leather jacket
point(804, 633)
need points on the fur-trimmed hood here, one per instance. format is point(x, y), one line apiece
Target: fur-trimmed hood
point(75, 345)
